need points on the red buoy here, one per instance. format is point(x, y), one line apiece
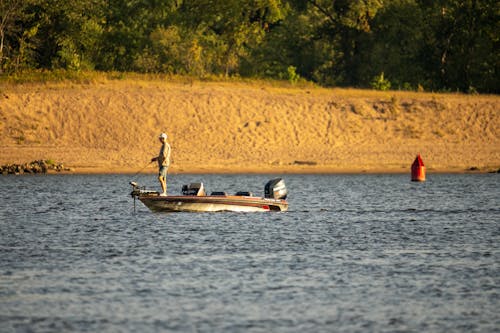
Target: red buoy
point(418, 170)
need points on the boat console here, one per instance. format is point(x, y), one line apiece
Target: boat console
point(194, 189)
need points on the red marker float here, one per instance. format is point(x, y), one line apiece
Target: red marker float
point(418, 170)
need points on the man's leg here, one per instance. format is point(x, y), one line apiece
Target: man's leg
point(162, 177)
point(163, 184)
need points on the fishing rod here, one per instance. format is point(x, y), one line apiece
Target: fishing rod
point(134, 184)
point(138, 172)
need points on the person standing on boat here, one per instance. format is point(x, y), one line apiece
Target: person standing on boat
point(163, 160)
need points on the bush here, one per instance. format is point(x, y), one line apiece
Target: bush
point(292, 75)
point(380, 83)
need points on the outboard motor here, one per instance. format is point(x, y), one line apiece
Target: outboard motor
point(275, 189)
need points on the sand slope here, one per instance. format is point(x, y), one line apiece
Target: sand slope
point(236, 127)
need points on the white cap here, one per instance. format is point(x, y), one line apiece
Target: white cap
point(163, 136)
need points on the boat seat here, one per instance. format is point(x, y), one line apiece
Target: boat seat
point(218, 193)
point(244, 194)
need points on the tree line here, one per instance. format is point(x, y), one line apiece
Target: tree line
point(443, 45)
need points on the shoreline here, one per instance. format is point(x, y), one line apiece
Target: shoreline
point(293, 170)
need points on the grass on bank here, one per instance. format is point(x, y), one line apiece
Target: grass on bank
point(96, 77)
point(65, 77)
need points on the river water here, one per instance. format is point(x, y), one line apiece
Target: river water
point(354, 253)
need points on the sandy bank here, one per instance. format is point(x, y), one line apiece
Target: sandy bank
point(236, 127)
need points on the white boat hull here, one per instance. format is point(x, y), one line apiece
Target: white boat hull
point(211, 203)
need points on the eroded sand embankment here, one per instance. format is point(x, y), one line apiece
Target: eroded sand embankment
point(236, 127)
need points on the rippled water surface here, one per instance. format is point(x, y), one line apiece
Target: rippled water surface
point(355, 253)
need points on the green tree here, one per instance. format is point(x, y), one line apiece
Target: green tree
point(67, 33)
point(230, 29)
point(394, 45)
point(464, 42)
point(127, 29)
point(11, 34)
point(320, 38)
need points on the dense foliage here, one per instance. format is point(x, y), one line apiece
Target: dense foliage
point(445, 45)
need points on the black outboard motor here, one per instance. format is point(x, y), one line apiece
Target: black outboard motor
point(275, 189)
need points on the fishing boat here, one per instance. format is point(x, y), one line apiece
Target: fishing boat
point(195, 199)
